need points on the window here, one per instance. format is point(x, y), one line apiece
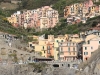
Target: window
point(61, 40)
point(43, 47)
point(68, 44)
point(61, 49)
point(85, 48)
point(48, 51)
point(99, 42)
point(69, 53)
point(85, 53)
point(73, 53)
point(73, 48)
point(44, 51)
point(88, 42)
point(57, 40)
point(30, 45)
point(68, 48)
point(73, 44)
point(48, 47)
point(91, 47)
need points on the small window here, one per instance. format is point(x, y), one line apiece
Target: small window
point(73, 44)
point(73, 53)
point(91, 47)
point(73, 48)
point(68, 48)
point(99, 42)
point(61, 49)
point(48, 51)
point(69, 53)
point(43, 47)
point(85, 48)
point(88, 42)
point(48, 47)
point(44, 51)
point(84, 53)
point(57, 40)
point(68, 44)
point(61, 40)
point(30, 45)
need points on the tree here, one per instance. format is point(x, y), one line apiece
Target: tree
point(94, 24)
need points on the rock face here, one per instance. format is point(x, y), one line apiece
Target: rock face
point(92, 66)
point(59, 71)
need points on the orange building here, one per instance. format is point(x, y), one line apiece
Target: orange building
point(66, 11)
point(50, 49)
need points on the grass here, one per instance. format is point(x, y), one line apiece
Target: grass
point(8, 6)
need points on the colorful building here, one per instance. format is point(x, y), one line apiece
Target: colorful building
point(80, 12)
point(58, 40)
point(92, 42)
point(41, 18)
point(72, 49)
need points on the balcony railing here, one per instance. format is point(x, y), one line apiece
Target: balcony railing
point(69, 51)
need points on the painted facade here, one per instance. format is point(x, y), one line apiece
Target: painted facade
point(78, 12)
point(92, 42)
point(68, 51)
point(44, 17)
point(72, 49)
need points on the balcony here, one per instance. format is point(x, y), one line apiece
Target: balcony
point(69, 51)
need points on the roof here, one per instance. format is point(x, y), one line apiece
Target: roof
point(61, 36)
point(77, 40)
point(89, 37)
point(76, 35)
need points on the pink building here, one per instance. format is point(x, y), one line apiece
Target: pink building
point(88, 3)
point(69, 51)
point(92, 43)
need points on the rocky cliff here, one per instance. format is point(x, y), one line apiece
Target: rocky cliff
point(91, 66)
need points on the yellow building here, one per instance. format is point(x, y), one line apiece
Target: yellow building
point(12, 20)
point(56, 45)
point(39, 46)
point(92, 9)
point(75, 38)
